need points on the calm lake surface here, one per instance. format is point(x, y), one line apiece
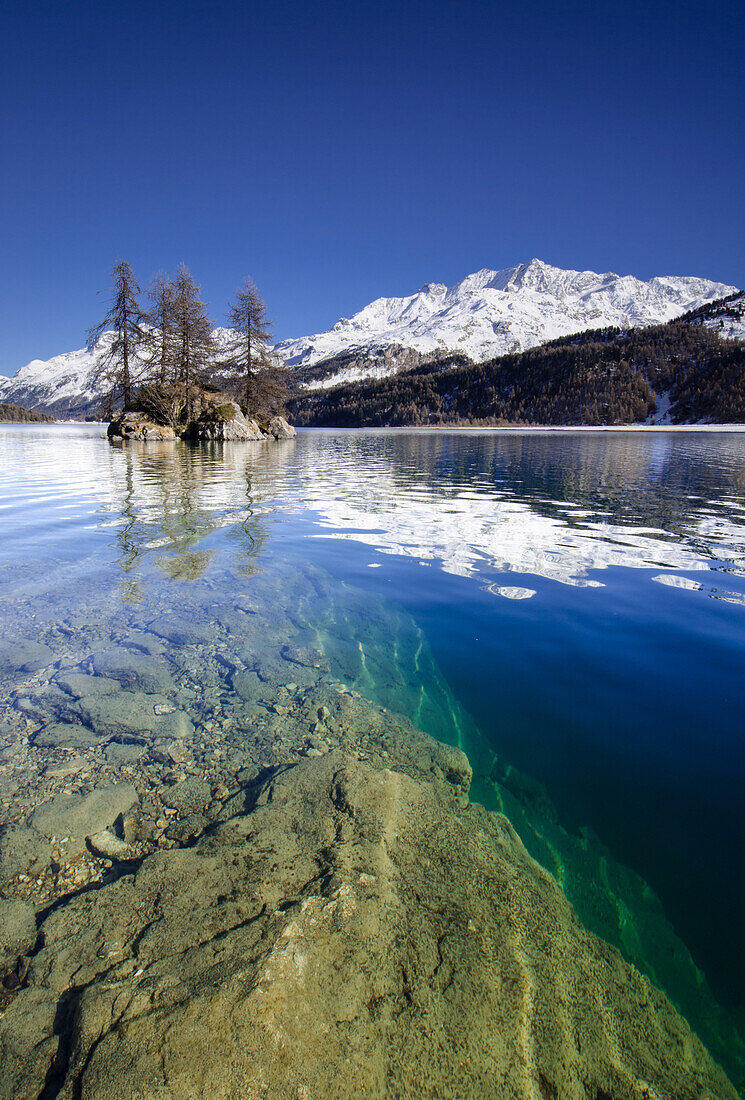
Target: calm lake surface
point(569, 607)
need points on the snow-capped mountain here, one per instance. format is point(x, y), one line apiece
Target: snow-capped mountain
point(493, 313)
point(486, 314)
point(64, 385)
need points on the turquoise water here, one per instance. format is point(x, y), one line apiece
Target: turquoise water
point(568, 607)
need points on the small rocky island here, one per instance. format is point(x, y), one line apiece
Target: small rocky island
point(220, 420)
point(165, 372)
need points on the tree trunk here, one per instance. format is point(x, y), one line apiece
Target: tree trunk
point(248, 371)
point(126, 384)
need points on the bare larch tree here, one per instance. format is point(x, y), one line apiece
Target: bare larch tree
point(161, 316)
point(247, 352)
point(117, 363)
point(192, 329)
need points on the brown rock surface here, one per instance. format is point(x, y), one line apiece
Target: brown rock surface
point(343, 929)
point(137, 425)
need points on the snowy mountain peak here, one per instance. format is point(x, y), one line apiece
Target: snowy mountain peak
point(491, 313)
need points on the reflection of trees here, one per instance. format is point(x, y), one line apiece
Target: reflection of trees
point(171, 499)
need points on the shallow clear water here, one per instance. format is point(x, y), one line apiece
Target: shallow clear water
point(569, 607)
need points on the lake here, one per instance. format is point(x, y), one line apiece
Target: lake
point(567, 607)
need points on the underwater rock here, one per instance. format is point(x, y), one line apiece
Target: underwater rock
point(23, 851)
point(80, 816)
point(81, 685)
point(131, 714)
point(64, 735)
point(24, 655)
point(71, 765)
point(17, 932)
point(189, 796)
point(250, 688)
point(28, 1044)
point(186, 828)
point(305, 657)
point(365, 935)
point(182, 631)
point(109, 846)
point(134, 671)
point(117, 753)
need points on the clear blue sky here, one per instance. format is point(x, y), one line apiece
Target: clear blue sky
point(337, 152)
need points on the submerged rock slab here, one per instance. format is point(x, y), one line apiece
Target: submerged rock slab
point(24, 655)
point(76, 817)
point(346, 930)
point(17, 932)
point(133, 670)
point(132, 715)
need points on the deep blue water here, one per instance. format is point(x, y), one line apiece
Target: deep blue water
point(581, 593)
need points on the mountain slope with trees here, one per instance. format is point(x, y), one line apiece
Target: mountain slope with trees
point(14, 414)
point(682, 371)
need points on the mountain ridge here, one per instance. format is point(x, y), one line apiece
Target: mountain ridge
point(490, 313)
point(484, 315)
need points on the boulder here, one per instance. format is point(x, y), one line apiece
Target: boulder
point(80, 816)
point(134, 671)
point(137, 425)
point(280, 429)
point(109, 846)
point(222, 423)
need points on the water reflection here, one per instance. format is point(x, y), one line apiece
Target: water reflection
point(626, 702)
point(558, 507)
point(554, 506)
point(166, 501)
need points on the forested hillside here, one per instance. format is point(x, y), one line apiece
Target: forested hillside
point(14, 414)
point(611, 376)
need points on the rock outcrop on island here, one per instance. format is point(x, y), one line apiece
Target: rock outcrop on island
point(280, 429)
point(138, 425)
point(347, 925)
point(222, 423)
point(218, 420)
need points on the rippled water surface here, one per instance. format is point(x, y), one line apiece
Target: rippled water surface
point(569, 607)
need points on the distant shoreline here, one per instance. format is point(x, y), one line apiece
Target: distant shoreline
point(507, 429)
point(515, 428)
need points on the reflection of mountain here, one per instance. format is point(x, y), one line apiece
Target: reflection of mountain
point(546, 505)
